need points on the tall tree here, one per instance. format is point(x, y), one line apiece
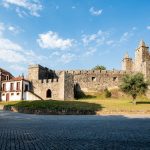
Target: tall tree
point(99, 67)
point(134, 85)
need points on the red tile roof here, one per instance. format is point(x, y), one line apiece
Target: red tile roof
point(17, 79)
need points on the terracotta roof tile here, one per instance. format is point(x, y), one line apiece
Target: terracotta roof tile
point(17, 79)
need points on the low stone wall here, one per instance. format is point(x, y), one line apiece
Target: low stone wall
point(52, 112)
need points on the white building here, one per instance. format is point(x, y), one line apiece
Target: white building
point(15, 89)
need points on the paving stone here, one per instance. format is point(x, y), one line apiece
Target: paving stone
point(33, 132)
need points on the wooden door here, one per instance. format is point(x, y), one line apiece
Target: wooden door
point(7, 97)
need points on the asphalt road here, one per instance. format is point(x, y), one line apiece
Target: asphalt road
point(33, 132)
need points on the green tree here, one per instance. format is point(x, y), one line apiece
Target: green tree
point(134, 85)
point(99, 67)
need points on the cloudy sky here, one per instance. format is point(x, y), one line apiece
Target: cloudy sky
point(70, 34)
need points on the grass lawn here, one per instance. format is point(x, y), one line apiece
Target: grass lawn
point(101, 106)
point(111, 105)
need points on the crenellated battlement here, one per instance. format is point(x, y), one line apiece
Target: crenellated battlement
point(80, 72)
point(44, 81)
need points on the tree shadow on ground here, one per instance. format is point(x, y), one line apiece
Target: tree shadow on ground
point(142, 103)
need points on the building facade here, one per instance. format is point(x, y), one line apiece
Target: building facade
point(45, 84)
point(15, 89)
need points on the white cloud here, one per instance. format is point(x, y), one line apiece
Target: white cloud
point(55, 53)
point(10, 56)
point(13, 53)
point(67, 58)
point(148, 27)
point(51, 40)
point(32, 57)
point(95, 12)
point(14, 29)
point(73, 7)
point(96, 43)
point(17, 67)
point(90, 51)
point(134, 28)
point(2, 28)
point(6, 44)
point(98, 38)
point(126, 36)
point(21, 13)
point(33, 6)
point(110, 42)
point(11, 28)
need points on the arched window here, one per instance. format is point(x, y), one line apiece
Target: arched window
point(48, 93)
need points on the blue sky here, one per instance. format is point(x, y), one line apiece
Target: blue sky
point(70, 34)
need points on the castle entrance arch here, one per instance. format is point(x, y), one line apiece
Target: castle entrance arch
point(48, 93)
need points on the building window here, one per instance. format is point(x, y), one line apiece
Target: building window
point(11, 86)
point(93, 78)
point(12, 93)
point(114, 78)
point(18, 86)
point(4, 87)
point(7, 77)
point(48, 93)
point(26, 88)
point(3, 94)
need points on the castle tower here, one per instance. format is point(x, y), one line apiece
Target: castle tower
point(33, 72)
point(141, 55)
point(127, 63)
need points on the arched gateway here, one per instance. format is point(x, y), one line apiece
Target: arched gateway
point(48, 93)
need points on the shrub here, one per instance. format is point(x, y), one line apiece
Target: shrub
point(56, 107)
point(107, 93)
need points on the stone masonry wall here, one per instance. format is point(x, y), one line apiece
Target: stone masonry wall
point(33, 72)
point(95, 81)
point(63, 86)
point(69, 87)
point(66, 86)
point(127, 64)
point(40, 88)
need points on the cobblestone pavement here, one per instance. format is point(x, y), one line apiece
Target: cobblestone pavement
point(33, 132)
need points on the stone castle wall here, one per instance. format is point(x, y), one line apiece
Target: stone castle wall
point(42, 79)
point(63, 84)
point(96, 81)
point(40, 88)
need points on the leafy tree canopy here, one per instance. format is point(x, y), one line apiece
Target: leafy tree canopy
point(134, 85)
point(99, 67)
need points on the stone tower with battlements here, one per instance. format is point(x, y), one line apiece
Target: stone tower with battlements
point(48, 84)
point(141, 56)
point(141, 62)
point(127, 63)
